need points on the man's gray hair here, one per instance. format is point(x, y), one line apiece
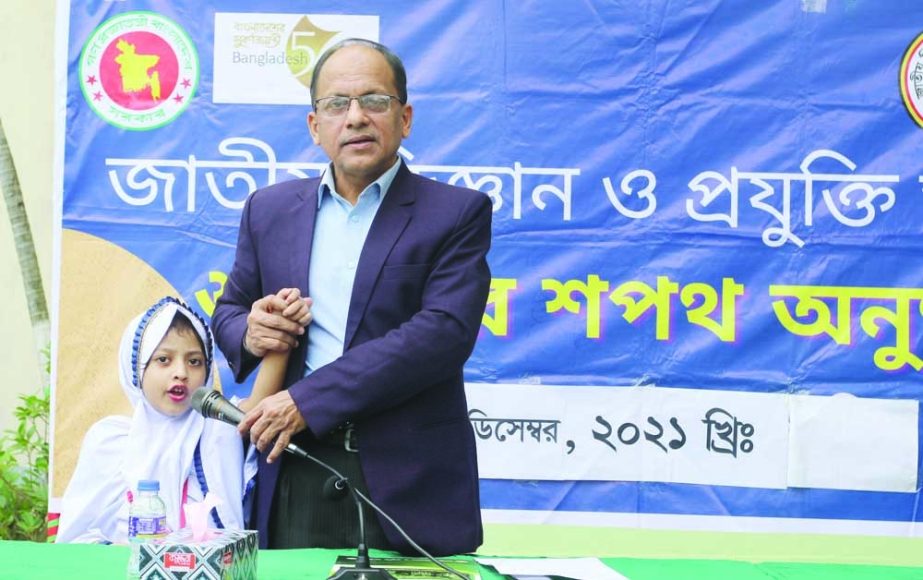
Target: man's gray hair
point(394, 61)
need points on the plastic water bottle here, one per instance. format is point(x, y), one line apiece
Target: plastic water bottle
point(147, 520)
point(147, 516)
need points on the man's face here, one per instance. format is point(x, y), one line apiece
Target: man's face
point(362, 145)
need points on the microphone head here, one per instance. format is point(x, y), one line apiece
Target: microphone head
point(335, 488)
point(213, 405)
point(198, 398)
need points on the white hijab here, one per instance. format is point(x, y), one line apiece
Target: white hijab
point(117, 451)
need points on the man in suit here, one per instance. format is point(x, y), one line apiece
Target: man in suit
point(395, 267)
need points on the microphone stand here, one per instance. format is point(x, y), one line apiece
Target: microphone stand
point(363, 568)
point(268, 381)
point(214, 406)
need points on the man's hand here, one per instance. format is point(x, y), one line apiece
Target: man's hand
point(276, 321)
point(274, 419)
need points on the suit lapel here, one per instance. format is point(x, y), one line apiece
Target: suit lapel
point(299, 260)
point(389, 223)
point(302, 235)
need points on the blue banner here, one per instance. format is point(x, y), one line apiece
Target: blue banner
point(710, 198)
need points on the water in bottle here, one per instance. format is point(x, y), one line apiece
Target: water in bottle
point(147, 520)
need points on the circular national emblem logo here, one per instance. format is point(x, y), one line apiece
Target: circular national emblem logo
point(912, 79)
point(139, 70)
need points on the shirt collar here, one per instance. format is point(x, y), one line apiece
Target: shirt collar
point(379, 186)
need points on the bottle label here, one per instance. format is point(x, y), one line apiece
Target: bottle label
point(141, 528)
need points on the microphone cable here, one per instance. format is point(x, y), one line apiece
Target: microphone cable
point(212, 405)
point(295, 450)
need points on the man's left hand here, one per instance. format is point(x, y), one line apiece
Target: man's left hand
point(272, 423)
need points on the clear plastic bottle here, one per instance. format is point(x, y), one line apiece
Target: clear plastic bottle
point(147, 520)
point(147, 516)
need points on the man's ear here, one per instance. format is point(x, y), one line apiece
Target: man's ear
point(312, 127)
point(406, 120)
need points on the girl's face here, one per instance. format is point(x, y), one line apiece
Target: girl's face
point(176, 369)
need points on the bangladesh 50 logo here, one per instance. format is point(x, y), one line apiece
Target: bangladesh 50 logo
point(305, 45)
point(139, 70)
point(911, 79)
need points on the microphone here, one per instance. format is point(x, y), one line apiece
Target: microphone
point(212, 405)
point(335, 488)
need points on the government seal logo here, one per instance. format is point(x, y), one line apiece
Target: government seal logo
point(911, 79)
point(139, 70)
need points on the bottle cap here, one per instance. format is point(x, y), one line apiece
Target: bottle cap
point(148, 485)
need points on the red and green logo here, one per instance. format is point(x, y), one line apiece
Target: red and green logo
point(139, 70)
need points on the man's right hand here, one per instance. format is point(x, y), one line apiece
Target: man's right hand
point(276, 321)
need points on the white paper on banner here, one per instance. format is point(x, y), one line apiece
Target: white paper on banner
point(577, 568)
point(630, 434)
point(845, 442)
point(265, 58)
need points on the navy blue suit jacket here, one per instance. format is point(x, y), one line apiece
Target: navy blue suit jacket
point(415, 312)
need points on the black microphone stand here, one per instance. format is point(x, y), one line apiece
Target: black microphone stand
point(213, 405)
point(363, 568)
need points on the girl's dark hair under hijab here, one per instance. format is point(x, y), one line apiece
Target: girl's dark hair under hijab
point(181, 324)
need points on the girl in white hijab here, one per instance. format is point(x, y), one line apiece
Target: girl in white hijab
point(166, 353)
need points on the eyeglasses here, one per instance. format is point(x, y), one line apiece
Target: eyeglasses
point(338, 105)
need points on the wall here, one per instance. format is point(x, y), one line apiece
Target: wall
point(27, 43)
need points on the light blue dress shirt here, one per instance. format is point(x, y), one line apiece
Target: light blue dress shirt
point(340, 230)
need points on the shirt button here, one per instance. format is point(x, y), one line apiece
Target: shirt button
point(354, 218)
point(351, 265)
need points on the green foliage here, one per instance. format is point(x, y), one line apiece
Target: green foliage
point(24, 470)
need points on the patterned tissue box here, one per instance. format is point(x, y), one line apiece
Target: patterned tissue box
point(226, 554)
